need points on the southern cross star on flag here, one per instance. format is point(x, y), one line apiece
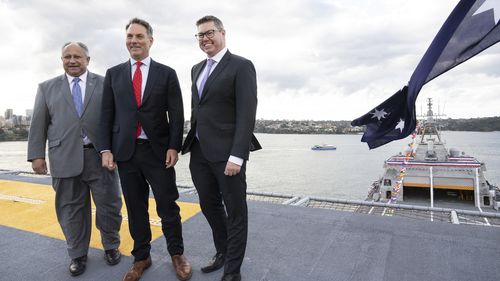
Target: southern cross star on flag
point(471, 28)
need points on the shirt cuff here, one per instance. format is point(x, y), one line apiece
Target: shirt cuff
point(236, 160)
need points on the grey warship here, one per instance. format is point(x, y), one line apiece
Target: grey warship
point(427, 172)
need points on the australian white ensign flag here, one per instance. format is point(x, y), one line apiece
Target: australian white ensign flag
point(470, 28)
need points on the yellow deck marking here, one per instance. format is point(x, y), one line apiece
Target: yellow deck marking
point(30, 207)
point(20, 199)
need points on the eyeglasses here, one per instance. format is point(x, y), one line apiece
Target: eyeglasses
point(209, 34)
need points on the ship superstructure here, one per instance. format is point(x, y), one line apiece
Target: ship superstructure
point(428, 170)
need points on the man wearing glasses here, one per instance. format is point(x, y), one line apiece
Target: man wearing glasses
point(224, 103)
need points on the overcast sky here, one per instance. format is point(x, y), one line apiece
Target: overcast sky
point(315, 59)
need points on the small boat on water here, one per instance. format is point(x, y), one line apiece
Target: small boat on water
point(428, 170)
point(324, 147)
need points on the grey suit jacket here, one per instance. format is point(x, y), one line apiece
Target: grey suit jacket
point(56, 121)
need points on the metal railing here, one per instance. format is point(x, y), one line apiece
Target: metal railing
point(448, 215)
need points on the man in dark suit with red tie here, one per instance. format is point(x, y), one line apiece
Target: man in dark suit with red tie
point(141, 129)
point(223, 108)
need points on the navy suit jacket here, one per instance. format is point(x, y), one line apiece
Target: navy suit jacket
point(161, 112)
point(224, 116)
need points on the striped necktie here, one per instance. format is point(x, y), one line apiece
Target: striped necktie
point(210, 63)
point(76, 91)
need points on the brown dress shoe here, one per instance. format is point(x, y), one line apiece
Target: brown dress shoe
point(135, 272)
point(182, 267)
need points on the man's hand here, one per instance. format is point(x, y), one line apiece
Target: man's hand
point(231, 169)
point(172, 158)
point(39, 166)
point(107, 160)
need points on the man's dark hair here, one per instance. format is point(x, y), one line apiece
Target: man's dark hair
point(142, 22)
point(217, 22)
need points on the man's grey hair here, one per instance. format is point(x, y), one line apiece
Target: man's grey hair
point(83, 46)
point(217, 22)
point(142, 22)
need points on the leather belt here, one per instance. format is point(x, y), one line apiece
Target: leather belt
point(88, 146)
point(141, 141)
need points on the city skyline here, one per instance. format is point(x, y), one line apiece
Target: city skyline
point(315, 60)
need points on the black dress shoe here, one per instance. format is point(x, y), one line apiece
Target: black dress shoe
point(215, 263)
point(78, 265)
point(112, 256)
point(231, 277)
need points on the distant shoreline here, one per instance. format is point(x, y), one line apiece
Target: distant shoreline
point(309, 127)
point(484, 124)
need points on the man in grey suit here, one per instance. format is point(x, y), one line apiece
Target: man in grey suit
point(66, 115)
point(223, 107)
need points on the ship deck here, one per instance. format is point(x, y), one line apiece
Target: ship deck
point(304, 239)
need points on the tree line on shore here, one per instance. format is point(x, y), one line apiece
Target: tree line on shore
point(485, 124)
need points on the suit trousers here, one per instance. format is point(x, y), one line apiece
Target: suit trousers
point(146, 169)
point(216, 190)
point(73, 206)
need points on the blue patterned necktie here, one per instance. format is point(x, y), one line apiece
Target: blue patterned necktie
point(77, 96)
point(210, 62)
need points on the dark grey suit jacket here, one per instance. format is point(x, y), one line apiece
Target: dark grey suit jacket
point(224, 116)
point(55, 120)
point(161, 112)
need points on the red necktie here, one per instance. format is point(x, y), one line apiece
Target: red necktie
point(137, 83)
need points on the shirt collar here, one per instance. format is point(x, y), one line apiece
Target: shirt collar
point(146, 61)
point(219, 55)
point(82, 77)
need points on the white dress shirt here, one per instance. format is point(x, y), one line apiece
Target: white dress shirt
point(82, 83)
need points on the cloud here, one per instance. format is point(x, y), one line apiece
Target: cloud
point(317, 59)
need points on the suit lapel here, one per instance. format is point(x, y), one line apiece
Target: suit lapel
point(218, 69)
point(128, 91)
point(66, 93)
point(152, 75)
point(89, 90)
point(196, 74)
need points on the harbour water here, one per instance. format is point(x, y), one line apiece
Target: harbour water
point(287, 165)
